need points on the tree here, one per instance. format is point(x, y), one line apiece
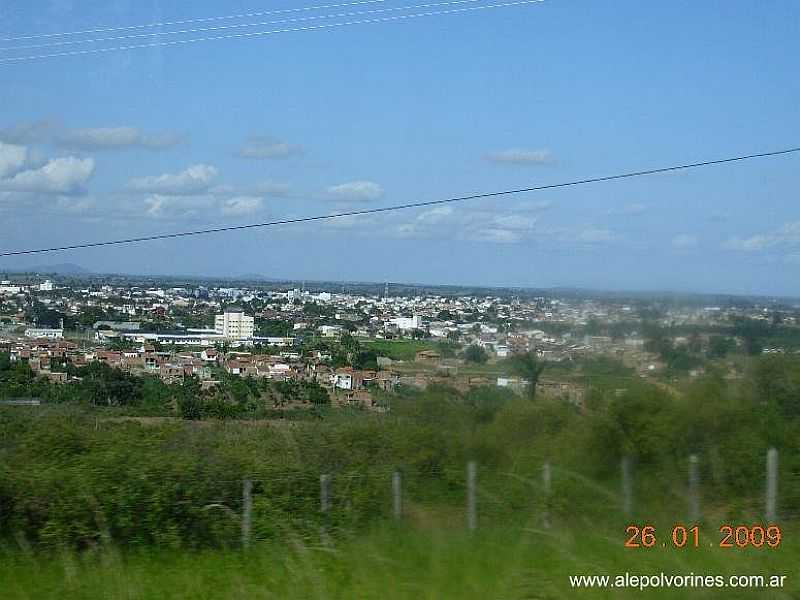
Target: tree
point(475, 354)
point(447, 349)
point(528, 367)
point(365, 359)
point(317, 394)
point(419, 334)
point(190, 402)
point(719, 346)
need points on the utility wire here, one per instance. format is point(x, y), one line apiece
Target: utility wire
point(249, 15)
point(370, 211)
point(162, 34)
point(230, 36)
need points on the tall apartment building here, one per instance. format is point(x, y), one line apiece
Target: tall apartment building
point(234, 324)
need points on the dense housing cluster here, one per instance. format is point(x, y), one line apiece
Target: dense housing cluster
point(356, 341)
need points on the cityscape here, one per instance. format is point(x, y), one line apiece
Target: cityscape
point(354, 342)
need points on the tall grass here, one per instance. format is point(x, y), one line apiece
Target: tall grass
point(392, 563)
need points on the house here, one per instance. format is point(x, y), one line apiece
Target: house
point(343, 379)
point(113, 359)
point(210, 355)
point(330, 331)
point(429, 356)
point(243, 366)
point(152, 362)
point(171, 373)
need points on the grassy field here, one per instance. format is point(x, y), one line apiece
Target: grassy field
point(398, 349)
point(389, 563)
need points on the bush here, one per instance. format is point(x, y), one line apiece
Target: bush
point(475, 354)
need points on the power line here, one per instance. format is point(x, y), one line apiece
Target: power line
point(161, 34)
point(231, 36)
point(369, 211)
point(249, 15)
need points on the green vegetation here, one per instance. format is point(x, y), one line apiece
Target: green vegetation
point(92, 504)
point(399, 349)
point(102, 387)
point(86, 475)
point(393, 563)
point(475, 354)
point(527, 367)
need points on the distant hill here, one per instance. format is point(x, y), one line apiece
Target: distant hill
point(57, 269)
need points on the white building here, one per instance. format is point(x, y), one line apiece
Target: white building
point(330, 331)
point(233, 324)
point(7, 288)
point(275, 342)
point(43, 332)
point(407, 323)
point(342, 380)
point(46, 286)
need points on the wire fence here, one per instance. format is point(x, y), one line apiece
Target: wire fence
point(476, 498)
point(202, 508)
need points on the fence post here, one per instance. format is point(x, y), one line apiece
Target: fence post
point(772, 485)
point(247, 512)
point(627, 486)
point(547, 484)
point(324, 493)
point(397, 494)
point(472, 505)
point(694, 488)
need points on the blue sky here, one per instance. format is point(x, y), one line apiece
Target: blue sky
point(121, 144)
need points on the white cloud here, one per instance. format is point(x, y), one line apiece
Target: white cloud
point(483, 226)
point(241, 205)
point(684, 240)
point(515, 222)
point(265, 147)
point(113, 138)
point(195, 179)
point(187, 206)
point(12, 159)
point(172, 207)
point(518, 156)
point(494, 234)
point(58, 176)
point(98, 138)
point(406, 230)
point(357, 191)
point(435, 215)
point(751, 244)
point(502, 228)
point(787, 236)
point(156, 205)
